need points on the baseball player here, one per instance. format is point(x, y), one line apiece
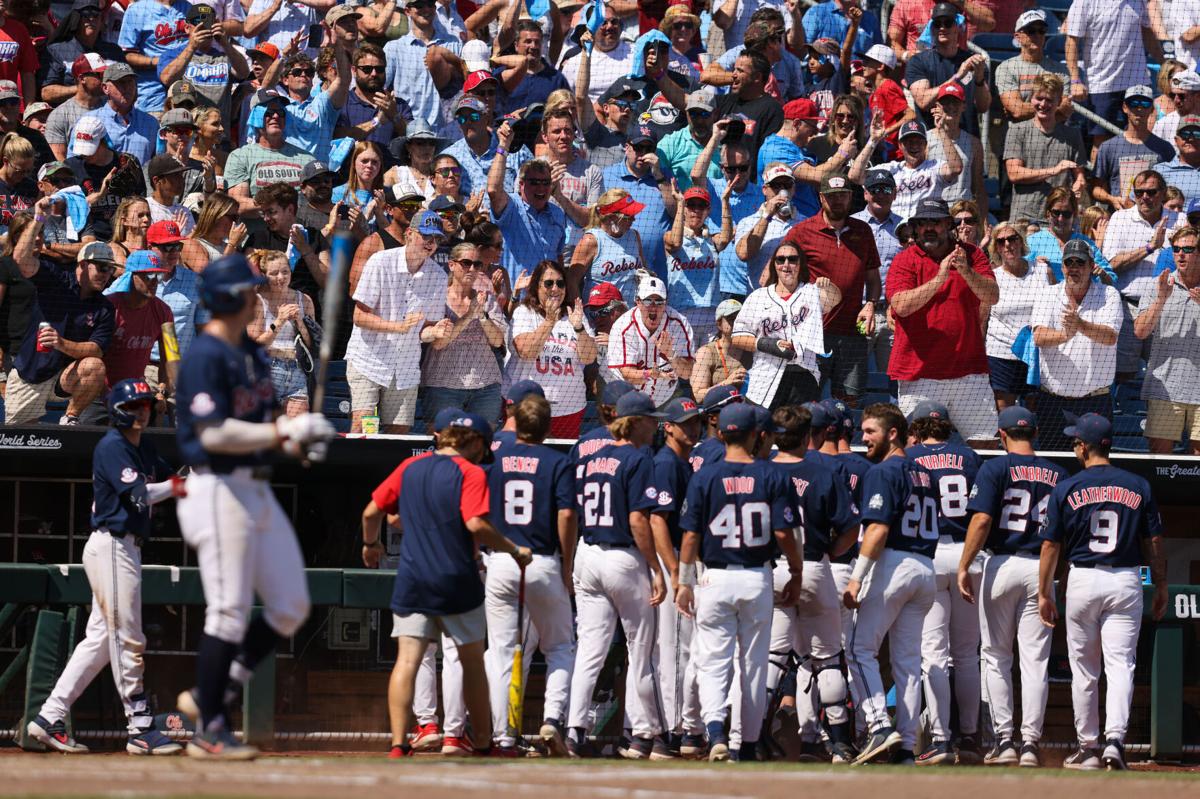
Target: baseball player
point(951, 634)
point(599, 436)
point(676, 672)
point(712, 449)
point(507, 434)
point(1105, 523)
point(1007, 506)
point(611, 578)
point(245, 545)
point(442, 500)
point(812, 627)
point(737, 511)
point(128, 478)
point(892, 584)
point(532, 491)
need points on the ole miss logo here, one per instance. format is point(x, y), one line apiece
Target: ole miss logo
point(165, 32)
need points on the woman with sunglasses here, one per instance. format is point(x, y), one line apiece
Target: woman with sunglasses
point(278, 320)
point(366, 176)
point(681, 26)
point(609, 250)
point(1061, 209)
point(131, 220)
point(969, 224)
point(693, 247)
point(218, 232)
point(781, 324)
point(414, 154)
point(1020, 280)
point(551, 343)
point(447, 179)
point(460, 370)
point(845, 125)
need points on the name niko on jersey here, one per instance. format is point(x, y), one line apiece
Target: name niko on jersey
point(521, 464)
point(941, 460)
point(1033, 474)
point(1092, 495)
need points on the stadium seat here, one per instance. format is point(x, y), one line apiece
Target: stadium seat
point(336, 407)
point(1127, 425)
point(999, 46)
point(337, 370)
point(992, 187)
point(1130, 444)
point(1056, 48)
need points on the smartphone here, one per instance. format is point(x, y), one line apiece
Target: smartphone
point(343, 212)
point(735, 131)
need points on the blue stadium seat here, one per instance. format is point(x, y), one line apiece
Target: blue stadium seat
point(999, 46)
point(1056, 48)
point(1127, 425)
point(336, 407)
point(341, 425)
point(1059, 7)
point(992, 187)
point(337, 370)
point(878, 382)
point(1130, 444)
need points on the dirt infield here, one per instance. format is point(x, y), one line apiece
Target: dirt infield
point(292, 776)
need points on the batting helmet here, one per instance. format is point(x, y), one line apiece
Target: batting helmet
point(128, 390)
point(223, 281)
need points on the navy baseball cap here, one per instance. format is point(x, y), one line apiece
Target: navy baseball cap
point(1015, 417)
point(680, 410)
point(1193, 207)
point(1091, 428)
point(765, 422)
point(929, 409)
point(835, 408)
point(641, 133)
point(740, 417)
point(444, 417)
point(913, 128)
point(614, 391)
point(472, 421)
point(719, 396)
point(522, 389)
point(635, 403)
point(821, 417)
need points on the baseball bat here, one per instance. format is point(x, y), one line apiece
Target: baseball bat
point(516, 682)
point(341, 251)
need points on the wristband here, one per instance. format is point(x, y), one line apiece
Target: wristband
point(862, 568)
point(501, 151)
point(687, 573)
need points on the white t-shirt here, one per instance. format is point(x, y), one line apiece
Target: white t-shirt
point(1166, 127)
point(1078, 366)
point(557, 369)
point(796, 318)
point(1014, 308)
point(776, 230)
point(914, 184)
point(1178, 16)
point(167, 213)
point(632, 343)
point(1128, 230)
point(605, 68)
point(1113, 53)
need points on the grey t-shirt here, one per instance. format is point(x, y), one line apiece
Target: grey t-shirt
point(1173, 369)
point(1038, 150)
point(1017, 75)
point(61, 120)
point(1118, 161)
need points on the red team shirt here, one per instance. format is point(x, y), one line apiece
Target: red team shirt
point(134, 336)
point(17, 55)
point(845, 259)
point(888, 99)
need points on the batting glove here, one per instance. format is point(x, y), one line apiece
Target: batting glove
point(306, 428)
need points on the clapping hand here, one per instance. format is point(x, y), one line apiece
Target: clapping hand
point(1071, 318)
point(412, 320)
point(575, 314)
point(666, 344)
point(522, 283)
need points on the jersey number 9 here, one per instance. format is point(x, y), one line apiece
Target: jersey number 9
point(750, 528)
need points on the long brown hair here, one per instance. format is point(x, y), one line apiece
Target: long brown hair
point(773, 274)
point(20, 221)
point(118, 219)
point(531, 300)
point(216, 205)
point(352, 184)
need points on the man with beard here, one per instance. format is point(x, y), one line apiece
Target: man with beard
point(88, 95)
point(267, 159)
point(748, 97)
point(935, 289)
point(678, 151)
point(316, 195)
point(534, 228)
point(651, 345)
point(371, 113)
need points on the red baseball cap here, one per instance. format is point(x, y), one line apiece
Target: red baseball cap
point(87, 63)
point(626, 205)
point(697, 193)
point(164, 232)
point(953, 89)
point(475, 78)
point(602, 294)
point(801, 108)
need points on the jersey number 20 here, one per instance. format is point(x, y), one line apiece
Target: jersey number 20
point(748, 528)
point(920, 518)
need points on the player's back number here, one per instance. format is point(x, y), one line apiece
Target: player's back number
point(518, 502)
point(747, 526)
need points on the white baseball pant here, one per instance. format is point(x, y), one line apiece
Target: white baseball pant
point(733, 614)
point(894, 601)
point(951, 638)
point(1104, 617)
point(1008, 606)
point(676, 671)
point(114, 632)
point(841, 578)
point(613, 584)
point(425, 702)
point(245, 546)
point(547, 626)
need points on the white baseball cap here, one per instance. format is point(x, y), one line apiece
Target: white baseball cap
point(883, 54)
point(1029, 17)
point(89, 132)
point(477, 55)
point(1187, 81)
point(651, 287)
point(776, 170)
point(728, 308)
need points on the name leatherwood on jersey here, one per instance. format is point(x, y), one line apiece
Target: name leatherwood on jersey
point(521, 464)
point(1093, 495)
point(603, 466)
point(941, 460)
point(738, 485)
point(1033, 474)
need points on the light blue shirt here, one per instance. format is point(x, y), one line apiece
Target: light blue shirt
point(136, 134)
point(150, 28)
point(530, 235)
point(693, 272)
point(182, 295)
point(885, 238)
point(789, 72)
point(1181, 176)
point(1044, 244)
point(410, 78)
point(310, 124)
point(747, 203)
point(826, 20)
point(652, 222)
point(779, 148)
point(476, 167)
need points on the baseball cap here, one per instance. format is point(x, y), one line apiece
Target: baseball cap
point(739, 418)
point(856, 67)
point(89, 133)
point(164, 164)
point(473, 421)
point(944, 10)
point(765, 421)
point(626, 205)
point(680, 410)
point(837, 410)
point(720, 396)
point(87, 63)
point(470, 102)
point(444, 203)
point(95, 251)
point(930, 208)
point(476, 78)
point(33, 109)
point(313, 169)
point(1193, 206)
point(1033, 15)
point(824, 50)
point(1186, 81)
point(400, 192)
point(613, 391)
point(1091, 428)
point(1076, 248)
point(265, 51)
point(801, 108)
point(444, 417)
point(79, 5)
point(953, 89)
point(522, 389)
point(430, 224)
point(477, 55)
point(821, 418)
point(117, 71)
point(775, 171)
point(602, 294)
point(1141, 90)
point(199, 13)
point(929, 409)
point(1189, 121)
point(913, 128)
point(833, 183)
point(1014, 416)
point(176, 117)
point(700, 99)
point(881, 54)
point(635, 403)
point(264, 96)
point(622, 86)
point(183, 95)
point(165, 231)
point(651, 287)
point(697, 193)
point(728, 308)
point(877, 178)
point(341, 12)
point(143, 261)
point(51, 168)
point(641, 133)
point(8, 90)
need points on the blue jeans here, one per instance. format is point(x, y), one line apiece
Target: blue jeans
point(485, 401)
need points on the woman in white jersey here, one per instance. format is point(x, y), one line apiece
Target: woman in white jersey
point(609, 250)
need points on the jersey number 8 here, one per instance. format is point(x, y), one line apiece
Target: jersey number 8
point(953, 491)
point(920, 518)
point(752, 531)
point(518, 502)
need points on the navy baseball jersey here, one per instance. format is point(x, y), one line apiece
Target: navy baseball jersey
point(435, 496)
point(530, 484)
point(120, 472)
point(902, 494)
point(503, 437)
point(1015, 491)
point(856, 467)
point(710, 450)
point(736, 509)
point(953, 467)
point(585, 447)
point(218, 382)
point(617, 481)
point(671, 477)
point(1101, 515)
point(823, 504)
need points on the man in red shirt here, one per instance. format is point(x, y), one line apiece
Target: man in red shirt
point(18, 58)
point(935, 290)
point(843, 250)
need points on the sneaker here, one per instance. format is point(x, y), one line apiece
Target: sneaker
point(637, 748)
point(67, 420)
point(718, 752)
point(453, 746)
point(1031, 756)
point(660, 750)
point(188, 703)
point(811, 752)
point(968, 751)
point(691, 746)
point(1004, 753)
point(496, 750)
point(903, 757)
point(219, 744)
point(1114, 755)
point(938, 753)
point(426, 738)
point(152, 742)
point(841, 753)
point(880, 742)
point(1083, 759)
point(400, 751)
point(552, 736)
point(55, 736)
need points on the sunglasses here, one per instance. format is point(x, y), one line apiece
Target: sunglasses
point(1139, 104)
point(1183, 249)
point(884, 189)
point(1191, 134)
point(774, 38)
point(483, 94)
point(371, 69)
point(1144, 192)
point(612, 22)
point(696, 205)
point(449, 213)
point(1178, 97)
point(960, 221)
point(1035, 30)
point(470, 264)
point(1058, 214)
point(448, 171)
point(605, 310)
point(1074, 262)
point(538, 181)
point(624, 105)
point(844, 117)
point(782, 185)
point(699, 113)
point(408, 206)
point(550, 283)
point(1007, 240)
point(182, 132)
point(735, 169)
point(168, 248)
point(640, 149)
point(104, 269)
point(683, 26)
point(653, 303)
point(89, 14)
point(793, 260)
point(302, 73)
point(463, 117)
point(943, 24)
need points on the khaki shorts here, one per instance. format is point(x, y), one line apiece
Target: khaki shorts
point(462, 628)
point(26, 402)
point(1166, 419)
point(396, 406)
point(969, 399)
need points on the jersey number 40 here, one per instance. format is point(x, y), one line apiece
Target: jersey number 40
point(749, 526)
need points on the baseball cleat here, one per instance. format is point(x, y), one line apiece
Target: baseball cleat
point(1004, 753)
point(152, 742)
point(552, 736)
point(426, 738)
point(1083, 759)
point(399, 752)
point(660, 750)
point(55, 736)
point(841, 753)
point(718, 752)
point(692, 747)
point(454, 746)
point(811, 752)
point(968, 751)
point(1114, 755)
point(219, 745)
point(880, 742)
point(902, 757)
point(1031, 756)
point(938, 753)
point(637, 748)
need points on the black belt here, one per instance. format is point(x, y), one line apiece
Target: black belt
point(1100, 392)
point(607, 545)
point(740, 566)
